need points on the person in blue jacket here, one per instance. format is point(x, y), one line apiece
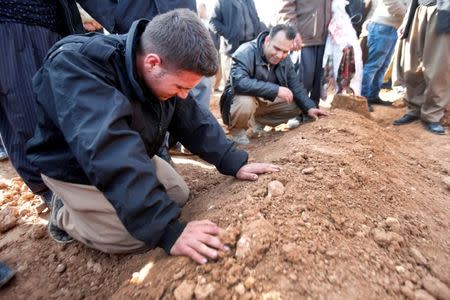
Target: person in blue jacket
point(104, 105)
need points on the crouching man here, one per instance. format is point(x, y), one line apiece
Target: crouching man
point(104, 106)
point(263, 88)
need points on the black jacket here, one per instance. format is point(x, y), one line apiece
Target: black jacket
point(117, 16)
point(98, 125)
point(249, 74)
point(225, 22)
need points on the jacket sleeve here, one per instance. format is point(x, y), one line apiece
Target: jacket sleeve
point(296, 86)
point(198, 130)
point(94, 118)
point(216, 24)
point(288, 12)
point(117, 16)
point(242, 79)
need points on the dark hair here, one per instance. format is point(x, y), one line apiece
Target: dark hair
point(182, 42)
point(290, 31)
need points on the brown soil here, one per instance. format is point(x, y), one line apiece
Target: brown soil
point(363, 212)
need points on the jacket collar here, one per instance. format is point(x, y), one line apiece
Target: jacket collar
point(132, 40)
point(260, 58)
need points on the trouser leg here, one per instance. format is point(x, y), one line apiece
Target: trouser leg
point(23, 49)
point(90, 218)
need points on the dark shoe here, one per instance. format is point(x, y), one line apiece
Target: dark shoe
point(6, 273)
point(378, 101)
point(47, 197)
point(370, 107)
point(406, 119)
point(59, 235)
point(434, 127)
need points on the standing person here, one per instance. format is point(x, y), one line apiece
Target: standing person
point(381, 39)
point(111, 192)
point(30, 33)
point(263, 88)
point(237, 22)
point(310, 19)
point(423, 63)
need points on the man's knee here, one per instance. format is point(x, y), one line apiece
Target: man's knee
point(242, 109)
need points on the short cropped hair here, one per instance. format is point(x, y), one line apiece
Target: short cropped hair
point(182, 42)
point(289, 31)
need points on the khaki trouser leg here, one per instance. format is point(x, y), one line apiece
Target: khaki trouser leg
point(427, 91)
point(245, 110)
point(90, 218)
point(276, 112)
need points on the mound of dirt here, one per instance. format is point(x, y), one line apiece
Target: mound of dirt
point(356, 212)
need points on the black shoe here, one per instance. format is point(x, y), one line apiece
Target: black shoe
point(406, 119)
point(378, 101)
point(6, 273)
point(59, 235)
point(370, 107)
point(434, 127)
point(47, 197)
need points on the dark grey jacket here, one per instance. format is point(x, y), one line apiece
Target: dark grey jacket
point(99, 125)
point(225, 22)
point(249, 74)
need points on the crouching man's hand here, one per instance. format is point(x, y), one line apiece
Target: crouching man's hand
point(199, 241)
point(251, 171)
point(316, 113)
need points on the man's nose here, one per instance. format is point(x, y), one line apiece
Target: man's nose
point(183, 94)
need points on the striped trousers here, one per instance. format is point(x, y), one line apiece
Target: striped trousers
point(22, 48)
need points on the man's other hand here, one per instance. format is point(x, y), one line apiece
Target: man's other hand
point(285, 94)
point(251, 171)
point(199, 241)
point(298, 42)
point(316, 113)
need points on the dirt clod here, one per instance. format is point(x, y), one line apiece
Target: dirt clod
point(185, 291)
point(436, 288)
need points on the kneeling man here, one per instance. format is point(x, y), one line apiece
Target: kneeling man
point(263, 87)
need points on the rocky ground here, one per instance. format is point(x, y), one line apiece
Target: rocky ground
point(360, 210)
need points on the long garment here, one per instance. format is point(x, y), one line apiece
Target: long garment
point(422, 65)
point(23, 49)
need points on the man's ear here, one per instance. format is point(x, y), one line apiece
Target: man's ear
point(151, 60)
point(266, 40)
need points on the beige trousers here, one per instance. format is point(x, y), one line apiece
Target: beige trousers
point(422, 63)
point(89, 217)
point(245, 110)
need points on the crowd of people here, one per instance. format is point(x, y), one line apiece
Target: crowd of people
point(85, 118)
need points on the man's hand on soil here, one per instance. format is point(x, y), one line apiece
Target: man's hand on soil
point(285, 94)
point(199, 241)
point(251, 171)
point(316, 113)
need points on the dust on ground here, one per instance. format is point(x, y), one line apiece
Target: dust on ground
point(360, 210)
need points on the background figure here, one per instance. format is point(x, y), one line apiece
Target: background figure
point(237, 22)
point(370, 9)
point(3, 153)
point(310, 19)
point(30, 34)
point(382, 36)
point(422, 63)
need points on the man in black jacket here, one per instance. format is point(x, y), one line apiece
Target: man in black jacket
point(263, 88)
point(104, 106)
point(30, 28)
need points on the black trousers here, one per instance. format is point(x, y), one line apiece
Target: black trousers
point(22, 48)
point(310, 70)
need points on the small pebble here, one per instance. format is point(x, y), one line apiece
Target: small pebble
point(60, 268)
point(308, 171)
